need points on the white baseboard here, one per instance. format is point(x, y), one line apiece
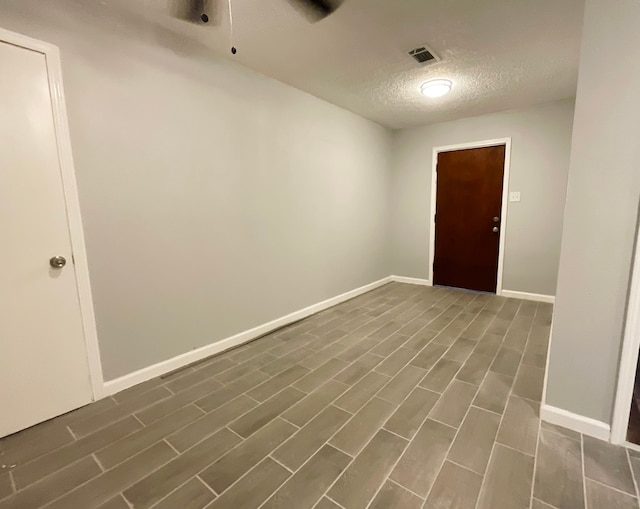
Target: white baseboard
point(411, 280)
point(579, 423)
point(159, 369)
point(538, 297)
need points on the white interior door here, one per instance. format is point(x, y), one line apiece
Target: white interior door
point(44, 370)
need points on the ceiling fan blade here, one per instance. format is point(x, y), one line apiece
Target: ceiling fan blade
point(316, 10)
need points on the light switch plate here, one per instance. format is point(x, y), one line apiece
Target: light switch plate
point(515, 196)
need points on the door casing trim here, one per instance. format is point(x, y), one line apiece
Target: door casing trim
point(628, 354)
point(68, 176)
point(505, 199)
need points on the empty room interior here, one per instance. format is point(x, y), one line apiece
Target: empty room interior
point(330, 254)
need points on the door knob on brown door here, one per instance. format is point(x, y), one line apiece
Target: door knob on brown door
point(495, 229)
point(496, 219)
point(57, 262)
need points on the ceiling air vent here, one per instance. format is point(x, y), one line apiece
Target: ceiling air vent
point(423, 55)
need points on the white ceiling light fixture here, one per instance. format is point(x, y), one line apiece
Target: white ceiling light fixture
point(436, 88)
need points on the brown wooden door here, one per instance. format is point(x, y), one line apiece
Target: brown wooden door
point(468, 198)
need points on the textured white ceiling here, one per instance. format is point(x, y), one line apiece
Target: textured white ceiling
point(500, 54)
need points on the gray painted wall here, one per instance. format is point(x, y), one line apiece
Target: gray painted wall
point(214, 199)
point(541, 139)
point(601, 213)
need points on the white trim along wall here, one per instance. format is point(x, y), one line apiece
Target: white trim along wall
point(505, 198)
point(144, 374)
point(67, 170)
point(155, 370)
point(576, 422)
point(538, 297)
point(628, 357)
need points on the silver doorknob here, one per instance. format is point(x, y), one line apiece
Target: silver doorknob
point(57, 262)
point(495, 229)
point(496, 219)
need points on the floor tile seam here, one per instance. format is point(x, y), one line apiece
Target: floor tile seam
point(301, 428)
point(463, 330)
point(440, 422)
point(16, 447)
point(167, 495)
point(396, 434)
point(535, 457)
point(173, 432)
point(219, 355)
point(481, 474)
point(426, 325)
point(391, 378)
point(280, 357)
point(353, 458)
point(271, 457)
point(332, 500)
point(223, 456)
point(452, 379)
point(409, 442)
point(246, 393)
point(327, 443)
point(495, 316)
point(446, 456)
point(95, 458)
point(297, 362)
point(515, 449)
point(332, 342)
point(307, 460)
point(543, 502)
point(13, 484)
point(75, 437)
point(483, 409)
point(407, 339)
point(127, 486)
point(164, 438)
point(554, 432)
point(150, 404)
point(611, 487)
point(418, 352)
point(334, 403)
point(584, 477)
point(48, 502)
point(281, 416)
point(341, 450)
point(373, 346)
point(633, 477)
point(92, 453)
point(199, 472)
point(386, 477)
point(495, 441)
point(404, 488)
point(367, 322)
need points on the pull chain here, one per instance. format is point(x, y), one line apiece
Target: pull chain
point(233, 48)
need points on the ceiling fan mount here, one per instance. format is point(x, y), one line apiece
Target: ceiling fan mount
point(204, 11)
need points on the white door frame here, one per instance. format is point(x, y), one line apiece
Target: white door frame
point(505, 199)
point(628, 356)
point(67, 171)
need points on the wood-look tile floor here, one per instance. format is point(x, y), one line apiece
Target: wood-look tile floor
point(407, 397)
